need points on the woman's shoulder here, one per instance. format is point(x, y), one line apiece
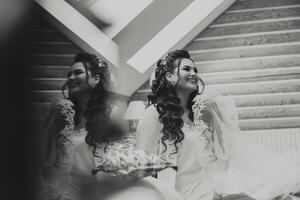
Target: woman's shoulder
point(64, 104)
point(204, 101)
point(62, 109)
point(215, 104)
point(208, 101)
point(61, 104)
point(212, 98)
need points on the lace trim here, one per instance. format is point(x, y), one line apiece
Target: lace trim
point(65, 108)
point(206, 141)
point(199, 106)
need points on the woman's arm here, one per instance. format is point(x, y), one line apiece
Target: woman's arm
point(148, 132)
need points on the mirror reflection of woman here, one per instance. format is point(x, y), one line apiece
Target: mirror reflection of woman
point(79, 135)
point(199, 133)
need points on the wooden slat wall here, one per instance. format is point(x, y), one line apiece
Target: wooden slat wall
point(49, 56)
point(252, 51)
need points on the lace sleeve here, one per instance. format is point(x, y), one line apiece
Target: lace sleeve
point(220, 114)
point(56, 153)
point(57, 132)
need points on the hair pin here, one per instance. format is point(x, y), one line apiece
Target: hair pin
point(101, 64)
point(164, 60)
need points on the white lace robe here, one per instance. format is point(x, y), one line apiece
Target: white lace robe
point(216, 160)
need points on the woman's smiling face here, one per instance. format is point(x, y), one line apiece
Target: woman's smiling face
point(187, 76)
point(77, 79)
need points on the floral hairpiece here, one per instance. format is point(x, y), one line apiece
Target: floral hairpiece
point(101, 64)
point(164, 60)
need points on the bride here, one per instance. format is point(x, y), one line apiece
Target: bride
point(86, 155)
point(199, 133)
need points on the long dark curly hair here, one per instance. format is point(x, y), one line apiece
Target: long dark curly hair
point(98, 125)
point(166, 101)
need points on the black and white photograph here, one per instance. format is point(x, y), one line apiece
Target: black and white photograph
point(151, 99)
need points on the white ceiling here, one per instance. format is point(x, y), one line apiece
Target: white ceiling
point(118, 13)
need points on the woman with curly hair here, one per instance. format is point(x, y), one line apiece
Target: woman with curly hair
point(87, 156)
point(199, 133)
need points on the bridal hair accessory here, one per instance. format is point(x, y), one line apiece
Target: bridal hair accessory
point(101, 64)
point(164, 61)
